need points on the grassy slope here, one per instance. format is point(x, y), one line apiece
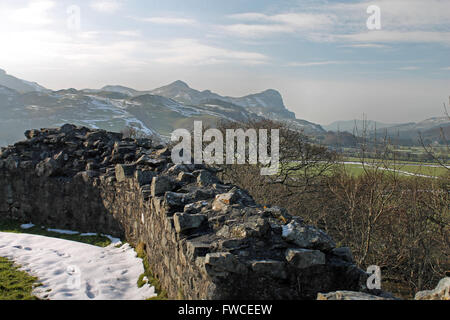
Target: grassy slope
point(15, 284)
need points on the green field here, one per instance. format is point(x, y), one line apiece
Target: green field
point(408, 154)
point(405, 169)
point(401, 167)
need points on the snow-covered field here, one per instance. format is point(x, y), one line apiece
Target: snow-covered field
point(77, 271)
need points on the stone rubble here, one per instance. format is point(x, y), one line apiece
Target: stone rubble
point(441, 292)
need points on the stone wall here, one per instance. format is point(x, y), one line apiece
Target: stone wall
point(204, 239)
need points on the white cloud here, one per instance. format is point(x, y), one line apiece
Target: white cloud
point(167, 20)
point(256, 30)
point(315, 63)
point(106, 6)
point(410, 68)
point(404, 21)
point(304, 20)
point(261, 25)
point(193, 52)
point(365, 45)
point(129, 33)
point(35, 13)
point(398, 14)
point(385, 36)
point(42, 47)
point(295, 20)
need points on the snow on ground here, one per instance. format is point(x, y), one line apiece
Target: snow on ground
point(77, 271)
point(27, 226)
point(114, 241)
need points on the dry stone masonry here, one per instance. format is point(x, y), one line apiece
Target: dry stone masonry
point(204, 239)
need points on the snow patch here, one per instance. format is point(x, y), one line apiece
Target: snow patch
point(114, 241)
point(287, 230)
point(69, 232)
point(27, 226)
point(77, 271)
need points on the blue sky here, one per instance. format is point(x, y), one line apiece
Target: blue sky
point(319, 54)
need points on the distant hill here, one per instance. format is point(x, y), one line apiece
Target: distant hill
point(351, 125)
point(429, 129)
point(19, 85)
point(405, 133)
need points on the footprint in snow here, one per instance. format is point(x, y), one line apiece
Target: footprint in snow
point(91, 289)
point(58, 272)
point(62, 254)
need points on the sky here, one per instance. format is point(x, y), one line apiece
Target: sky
point(324, 56)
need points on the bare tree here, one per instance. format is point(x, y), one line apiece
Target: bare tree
point(303, 165)
point(430, 150)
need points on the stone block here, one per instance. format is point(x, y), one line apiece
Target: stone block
point(304, 258)
point(187, 222)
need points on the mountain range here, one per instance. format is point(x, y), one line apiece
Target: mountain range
point(25, 104)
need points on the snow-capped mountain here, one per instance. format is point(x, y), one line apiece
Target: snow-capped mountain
point(25, 105)
point(36, 110)
point(266, 104)
point(181, 92)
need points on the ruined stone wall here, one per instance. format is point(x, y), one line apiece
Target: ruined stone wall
point(204, 239)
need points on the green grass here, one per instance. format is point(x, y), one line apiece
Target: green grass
point(354, 169)
point(14, 283)
point(152, 279)
point(424, 170)
point(369, 160)
point(14, 227)
point(357, 169)
point(402, 168)
point(397, 162)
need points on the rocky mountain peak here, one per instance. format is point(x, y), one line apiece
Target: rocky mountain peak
point(179, 84)
point(271, 92)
